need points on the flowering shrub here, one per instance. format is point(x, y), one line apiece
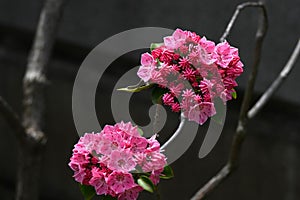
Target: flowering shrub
point(118, 162)
point(193, 70)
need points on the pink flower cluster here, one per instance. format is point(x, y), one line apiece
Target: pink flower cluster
point(106, 160)
point(195, 70)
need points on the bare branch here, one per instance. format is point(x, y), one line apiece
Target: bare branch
point(276, 84)
point(12, 118)
point(241, 128)
point(238, 10)
point(214, 181)
point(35, 80)
point(32, 150)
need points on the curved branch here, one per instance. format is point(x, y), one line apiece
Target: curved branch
point(276, 84)
point(241, 128)
point(238, 10)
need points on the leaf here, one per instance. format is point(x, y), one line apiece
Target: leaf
point(87, 191)
point(234, 94)
point(137, 89)
point(146, 183)
point(167, 173)
point(140, 131)
point(157, 94)
point(155, 45)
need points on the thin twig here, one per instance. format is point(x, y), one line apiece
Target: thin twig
point(12, 118)
point(276, 84)
point(241, 128)
point(234, 17)
point(213, 182)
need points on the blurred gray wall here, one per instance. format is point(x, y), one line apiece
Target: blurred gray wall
point(270, 157)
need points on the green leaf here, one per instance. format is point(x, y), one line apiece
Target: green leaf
point(167, 173)
point(87, 191)
point(146, 183)
point(157, 94)
point(140, 131)
point(137, 89)
point(155, 45)
point(234, 94)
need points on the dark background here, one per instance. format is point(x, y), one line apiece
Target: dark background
point(270, 161)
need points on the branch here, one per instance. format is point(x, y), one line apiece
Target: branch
point(276, 84)
point(35, 80)
point(12, 118)
point(238, 10)
point(214, 181)
point(32, 150)
point(241, 128)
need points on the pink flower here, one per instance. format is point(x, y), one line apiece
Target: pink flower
point(206, 86)
point(148, 66)
point(79, 176)
point(91, 142)
point(189, 74)
point(128, 129)
point(180, 35)
point(166, 55)
point(121, 161)
point(156, 53)
point(176, 89)
point(154, 177)
point(176, 40)
point(168, 99)
point(121, 149)
point(205, 51)
point(200, 112)
point(98, 181)
point(119, 181)
point(152, 161)
point(111, 142)
point(153, 144)
point(158, 78)
point(210, 69)
point(224, 54)
point(188, 93)
point(226, 95)
point(147, 59)
point(131, 194)
point(137, 144)
point(175, 107)
point(184, 63)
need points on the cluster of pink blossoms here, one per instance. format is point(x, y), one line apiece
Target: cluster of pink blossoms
point(195, 71)
point(106, 160)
